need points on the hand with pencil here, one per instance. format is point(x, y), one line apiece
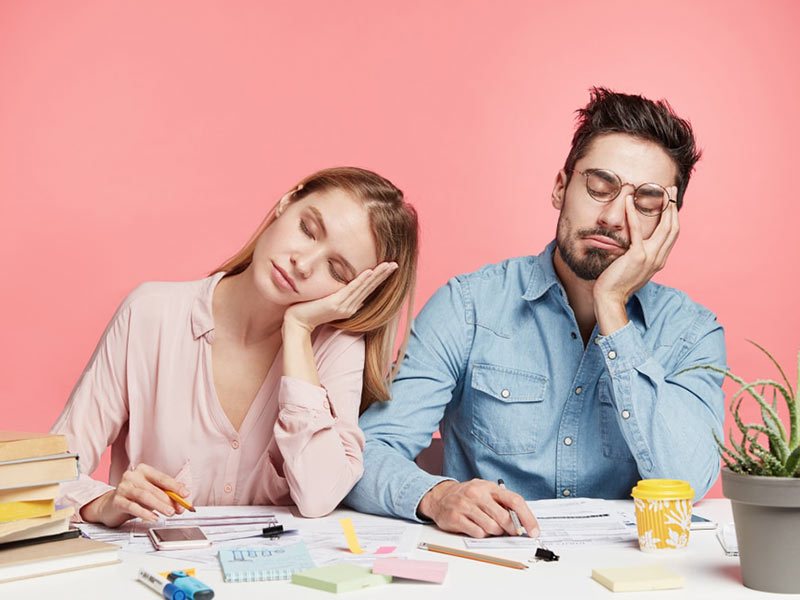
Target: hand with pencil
point(140, 492)
point(478, 508)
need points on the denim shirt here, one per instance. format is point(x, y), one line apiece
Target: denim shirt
point(496, 362)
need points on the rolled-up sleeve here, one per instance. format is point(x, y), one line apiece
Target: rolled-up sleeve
point(317, 429)
point(668, 414)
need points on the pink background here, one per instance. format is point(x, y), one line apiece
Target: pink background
point(145, 140)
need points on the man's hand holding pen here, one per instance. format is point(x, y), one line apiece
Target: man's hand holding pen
point(477, 508)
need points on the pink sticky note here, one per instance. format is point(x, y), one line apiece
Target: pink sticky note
point(419, 570)
point(385, 550)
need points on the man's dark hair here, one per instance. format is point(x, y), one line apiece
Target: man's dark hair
point(611, 112)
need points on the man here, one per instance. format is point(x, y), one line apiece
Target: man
point(563, 373)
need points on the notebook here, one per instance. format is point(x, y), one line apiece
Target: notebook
point(264, 563)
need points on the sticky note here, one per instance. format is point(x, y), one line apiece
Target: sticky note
point(636, 579)
point(420, 570)
point(350, 536)
point(341, 577)
point(385, 549)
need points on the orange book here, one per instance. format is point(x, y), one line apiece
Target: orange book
point(19, 444)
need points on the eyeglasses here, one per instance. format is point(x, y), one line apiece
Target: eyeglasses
point(603, 185)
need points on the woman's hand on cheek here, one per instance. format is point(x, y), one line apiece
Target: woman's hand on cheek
point(342, 304)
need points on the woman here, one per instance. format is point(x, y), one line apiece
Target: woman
point(245, 387)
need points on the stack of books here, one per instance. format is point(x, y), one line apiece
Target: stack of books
point(35, 536)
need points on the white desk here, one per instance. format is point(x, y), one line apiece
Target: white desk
point(708, 572)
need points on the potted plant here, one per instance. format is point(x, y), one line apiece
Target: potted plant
point(761, 477)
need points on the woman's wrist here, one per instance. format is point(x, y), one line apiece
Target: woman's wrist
point(293, 327)
point(92, 511)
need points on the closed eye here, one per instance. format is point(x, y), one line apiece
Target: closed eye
point(304, 228)
point(334, 273)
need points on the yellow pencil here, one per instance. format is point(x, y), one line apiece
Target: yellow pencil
point(180, 500)
point(494, 560)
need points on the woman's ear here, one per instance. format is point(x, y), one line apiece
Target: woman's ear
point(286, 200)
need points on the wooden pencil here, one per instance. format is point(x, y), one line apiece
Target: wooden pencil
point(494, 560)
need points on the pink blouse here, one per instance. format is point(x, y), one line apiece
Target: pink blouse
point(148, 391)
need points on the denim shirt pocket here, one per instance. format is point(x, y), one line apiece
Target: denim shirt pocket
point(614, 445)
point(506, 407)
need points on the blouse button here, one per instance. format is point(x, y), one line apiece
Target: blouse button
point(235, 444)
point(505, 393)
point(612, 355)
point(228, 489)
point(568, 441)
point(626, 414)
point(566, 492)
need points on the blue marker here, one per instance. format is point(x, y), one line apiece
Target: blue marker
point(192, 587)
point(158, 584)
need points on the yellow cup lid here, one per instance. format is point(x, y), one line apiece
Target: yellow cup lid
point(662, 489)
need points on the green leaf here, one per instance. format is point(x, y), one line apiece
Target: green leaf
point(793, 463)
point(777, 365)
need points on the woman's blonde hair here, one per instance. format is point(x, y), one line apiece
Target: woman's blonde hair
point(396, 234)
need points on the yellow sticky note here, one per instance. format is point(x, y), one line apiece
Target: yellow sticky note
point(635, 579)
point(350, 536)
point(189, 572)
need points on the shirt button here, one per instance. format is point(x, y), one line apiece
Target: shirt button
point(566, 492)
point(326, 404)
point(612, 355)
point(228, 489)
point(626, 414)
point(597, 340)
point(568, 441)
point(574, 335)
point(505, 393)
point(578, 390)
point(234, 444)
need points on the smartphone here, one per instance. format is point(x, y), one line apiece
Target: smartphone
point(178, 538)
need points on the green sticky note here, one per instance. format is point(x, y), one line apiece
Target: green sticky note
point(341, 577)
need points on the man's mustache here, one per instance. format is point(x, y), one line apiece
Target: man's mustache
point(607, 233)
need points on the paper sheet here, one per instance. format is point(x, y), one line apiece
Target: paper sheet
point(229, 526)
point(327, 544)
point(223, 525)
point(569, 522)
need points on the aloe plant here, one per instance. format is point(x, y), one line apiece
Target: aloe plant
point(781, 457)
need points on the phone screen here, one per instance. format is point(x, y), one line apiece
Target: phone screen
point(179, 534)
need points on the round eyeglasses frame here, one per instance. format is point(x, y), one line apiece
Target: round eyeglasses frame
point(620, 184)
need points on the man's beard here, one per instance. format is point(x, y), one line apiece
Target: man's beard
point(595, 260)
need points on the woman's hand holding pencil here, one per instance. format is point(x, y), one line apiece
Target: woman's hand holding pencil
point(140, 492)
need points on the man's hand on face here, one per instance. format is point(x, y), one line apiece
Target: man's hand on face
point(478, 508)
point(643, 259)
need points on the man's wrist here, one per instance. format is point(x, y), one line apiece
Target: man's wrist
point(427, 505)
point(611, 314)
